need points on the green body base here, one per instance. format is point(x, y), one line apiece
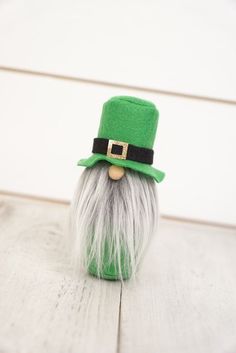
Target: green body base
point(109, 272)
point(110, 268)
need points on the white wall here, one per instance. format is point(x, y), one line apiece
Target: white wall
point(46, 125)
point(178, 45)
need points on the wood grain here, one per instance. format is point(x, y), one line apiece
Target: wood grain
point(183, 300)
point(43, 307)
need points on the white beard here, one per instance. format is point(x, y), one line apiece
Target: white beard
point(119, 215)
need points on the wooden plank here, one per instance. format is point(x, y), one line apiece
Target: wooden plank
point(47, 125)
point(43, 306)
point(183, 46)
point(184, 299)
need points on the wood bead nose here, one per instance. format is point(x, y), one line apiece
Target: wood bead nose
point(115, 172)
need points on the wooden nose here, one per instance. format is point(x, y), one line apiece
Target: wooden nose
point(115, 172)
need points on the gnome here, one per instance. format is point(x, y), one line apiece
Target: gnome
point(115, 212)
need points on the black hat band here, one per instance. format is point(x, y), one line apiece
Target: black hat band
point(122, 150)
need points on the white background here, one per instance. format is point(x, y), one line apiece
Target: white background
point(183, 47)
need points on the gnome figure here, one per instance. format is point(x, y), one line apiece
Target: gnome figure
point(114, 211)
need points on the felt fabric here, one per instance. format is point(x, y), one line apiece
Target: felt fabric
point(134, 153)
point(131, 120)
point(110, 269)
point(146, 169)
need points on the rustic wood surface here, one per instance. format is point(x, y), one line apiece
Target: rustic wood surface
point(184, 299)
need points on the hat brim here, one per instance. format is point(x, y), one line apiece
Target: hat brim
point(146, 169)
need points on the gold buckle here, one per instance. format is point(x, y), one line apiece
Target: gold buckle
point(118, 143)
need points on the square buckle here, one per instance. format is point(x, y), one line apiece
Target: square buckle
point(125, 146)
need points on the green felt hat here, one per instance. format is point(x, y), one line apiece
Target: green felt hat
point(126, 136)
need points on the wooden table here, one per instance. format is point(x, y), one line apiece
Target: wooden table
point(184, 299)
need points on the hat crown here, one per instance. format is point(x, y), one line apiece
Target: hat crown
point(129, 119)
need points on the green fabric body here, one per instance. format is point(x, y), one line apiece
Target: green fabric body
point(110, 269)
point(131, 120)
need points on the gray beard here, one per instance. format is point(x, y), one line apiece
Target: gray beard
point(122, 214)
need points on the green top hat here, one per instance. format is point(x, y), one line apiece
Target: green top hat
point(126, 136)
